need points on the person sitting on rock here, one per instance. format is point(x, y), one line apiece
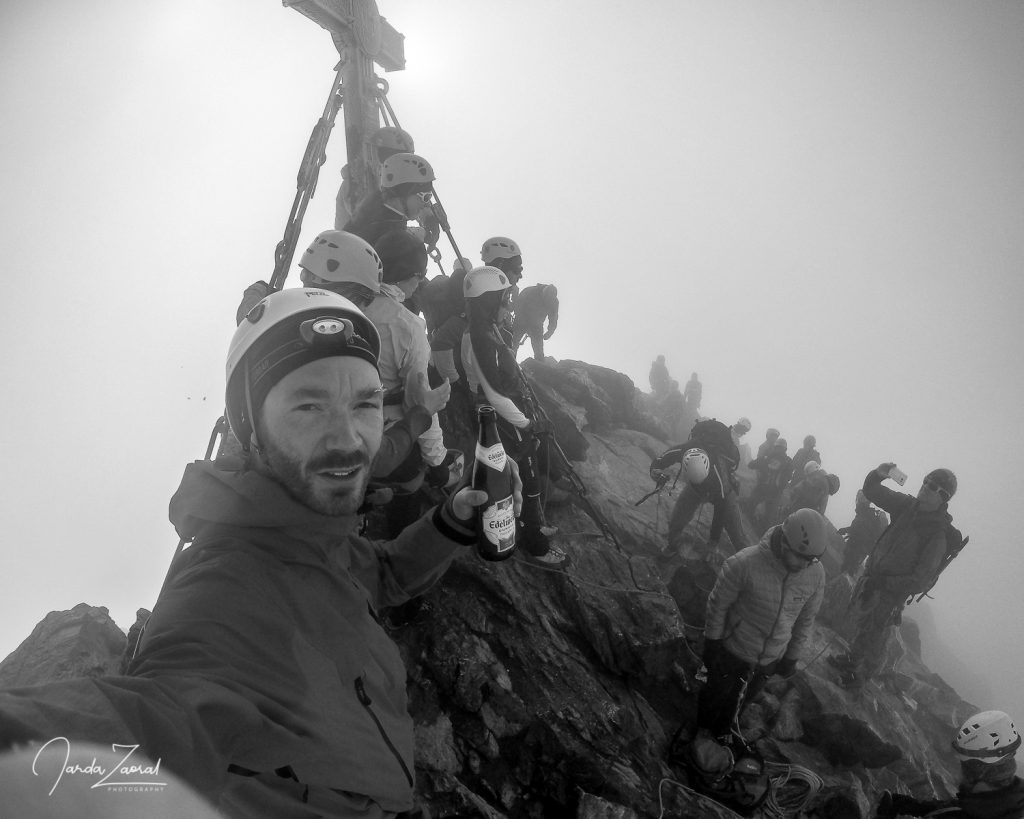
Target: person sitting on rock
point(864, 530)
point(903, 562)
point(986, 746)
point(708, 457)
point(760, 617)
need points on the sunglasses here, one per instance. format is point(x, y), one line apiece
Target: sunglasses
point(934, 487)
point(795, 553)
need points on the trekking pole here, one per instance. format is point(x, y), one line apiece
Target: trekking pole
point(309, 171)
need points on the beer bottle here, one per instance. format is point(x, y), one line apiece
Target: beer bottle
point(496, 539)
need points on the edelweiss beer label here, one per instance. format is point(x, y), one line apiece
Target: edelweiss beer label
point(499, 524)
point(493, 456)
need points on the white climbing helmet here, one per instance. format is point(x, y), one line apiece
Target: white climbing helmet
point(811, 467)
point(392, 139)
point(401, 169)
point(284, 331)
point(988, 737)
point(482, 280)
point(696, 465)
point(337, 256)
point(499, 247)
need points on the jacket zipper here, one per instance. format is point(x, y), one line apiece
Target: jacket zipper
point(367, 703)
point(778, 614)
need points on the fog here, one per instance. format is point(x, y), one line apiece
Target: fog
point(817, 207)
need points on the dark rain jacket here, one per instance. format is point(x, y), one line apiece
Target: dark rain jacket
point(264, 677)
point(761, 611)
point(773, 471)
point(909, 552)
point(801, 458)
point(535, 305)
point(1004, 803)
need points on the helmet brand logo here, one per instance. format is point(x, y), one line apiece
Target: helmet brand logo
point(257, 312)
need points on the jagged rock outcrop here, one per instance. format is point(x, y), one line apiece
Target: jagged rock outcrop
point(82, 642)
point(538, 692)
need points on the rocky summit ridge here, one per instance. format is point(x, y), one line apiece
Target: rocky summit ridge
point(540, 692)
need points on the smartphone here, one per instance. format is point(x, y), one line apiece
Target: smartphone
point(898, 476)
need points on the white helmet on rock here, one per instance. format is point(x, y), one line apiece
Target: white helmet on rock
point(482, 280)
point(337, 256)
point(988, 737)
point(499, 247)
point(696, 465)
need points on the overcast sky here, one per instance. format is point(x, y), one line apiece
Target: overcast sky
point(819, 207)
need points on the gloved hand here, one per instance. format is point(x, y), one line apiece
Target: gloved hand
point(252, 296)
point(657, 474)
point(882, 470)
point(786, 667)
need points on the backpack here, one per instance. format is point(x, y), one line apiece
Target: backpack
point(955, 542)
point(716, 438)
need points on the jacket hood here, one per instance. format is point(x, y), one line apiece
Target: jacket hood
point(392, 290)
point(210, 496)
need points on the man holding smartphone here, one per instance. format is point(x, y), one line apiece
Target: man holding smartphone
point(903, 562)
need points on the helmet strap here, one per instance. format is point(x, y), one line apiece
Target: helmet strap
point(252, 443)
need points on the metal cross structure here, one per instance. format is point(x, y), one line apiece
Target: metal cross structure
point(363, 38)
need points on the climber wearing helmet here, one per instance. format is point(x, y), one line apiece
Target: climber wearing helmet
point(760, 616)
point(986, 746)
point(715, 484)
point(774, 469)
point(504, 254)
point(904, 561)
point(406, 190)
point(804, 456)
point(383, 143)
point(264, 677)
point(491, 371)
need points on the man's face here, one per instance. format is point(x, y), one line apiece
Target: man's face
point(320, 428)
point(414, 203)
point(931, 496)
